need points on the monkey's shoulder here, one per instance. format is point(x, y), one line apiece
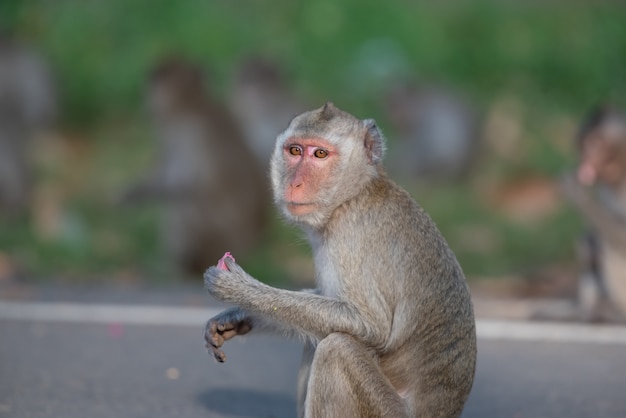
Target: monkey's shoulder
point(388, 203)
point(382, 217)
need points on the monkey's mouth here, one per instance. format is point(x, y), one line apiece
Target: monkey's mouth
point(300, 208)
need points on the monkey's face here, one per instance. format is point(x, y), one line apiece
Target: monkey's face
point(603, 158)
point(310, 164)
point(324, 158)
point(174, 84)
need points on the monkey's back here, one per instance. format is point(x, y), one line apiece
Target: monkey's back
point(423, 314)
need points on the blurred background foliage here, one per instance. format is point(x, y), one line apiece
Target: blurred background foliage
point(532, 68)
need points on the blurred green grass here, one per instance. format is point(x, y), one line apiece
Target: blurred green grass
point(555, 58)
point(559, 53)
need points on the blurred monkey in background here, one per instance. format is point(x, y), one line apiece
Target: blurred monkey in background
point(597, 189)
point(28, 104)
point(262, 105)
point(212, 187)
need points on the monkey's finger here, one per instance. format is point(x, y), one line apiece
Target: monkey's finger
point(216, 340)
point(228, 334)
point(212, 336)
point(213, 344)
point(219, 355)
point(231, 264)
point(220, 264)
point(224, 326)
point(210, 329)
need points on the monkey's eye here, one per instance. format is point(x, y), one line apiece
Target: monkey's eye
point(295, 150)
point(320, 153)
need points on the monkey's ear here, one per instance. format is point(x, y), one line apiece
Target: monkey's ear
point(374, 142)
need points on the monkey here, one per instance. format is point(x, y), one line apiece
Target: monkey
point(389, 329)
point(438, 132)
point(597, 189)
point(262, 104)
point(211, 186)
point(28, 106)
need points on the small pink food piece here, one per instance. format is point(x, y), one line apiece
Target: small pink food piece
point(221, 264)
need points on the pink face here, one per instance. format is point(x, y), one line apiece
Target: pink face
point(309, 162)
point(602, 159)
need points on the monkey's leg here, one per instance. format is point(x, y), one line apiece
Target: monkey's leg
point(346, 381)
point(303, 375)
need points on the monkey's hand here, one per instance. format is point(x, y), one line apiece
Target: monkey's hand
point(223, 327)
point(229, 283)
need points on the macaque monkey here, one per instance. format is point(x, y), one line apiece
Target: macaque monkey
point(437, 132)
point(389, 331)
point(213, 190)
point(598, 190)
point(27, 106)
point(263, 105)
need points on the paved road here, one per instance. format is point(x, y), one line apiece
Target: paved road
point(77, 361)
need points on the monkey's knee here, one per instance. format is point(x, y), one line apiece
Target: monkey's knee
point(335, 347)
point(340, 358)
point(332, 340)
point(336, 356)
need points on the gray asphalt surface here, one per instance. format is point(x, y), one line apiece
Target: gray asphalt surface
point(76, 369)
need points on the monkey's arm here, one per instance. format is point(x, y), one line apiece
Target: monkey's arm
point(609, 225)
point(306, 313)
